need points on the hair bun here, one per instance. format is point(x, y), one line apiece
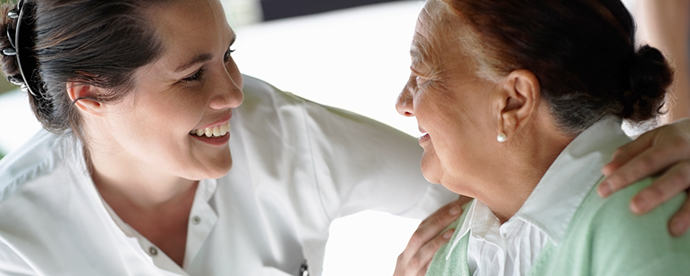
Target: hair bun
point(650, 76)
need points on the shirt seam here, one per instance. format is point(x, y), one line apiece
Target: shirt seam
point(313, 163)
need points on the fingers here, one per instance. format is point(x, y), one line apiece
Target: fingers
point(464, 199)
point(623, 154)
point(647, 163)
point(418, 263)
point(671, 183)
point(434, 224)
point(426, 240)
point(425, 254)
point(680, 222)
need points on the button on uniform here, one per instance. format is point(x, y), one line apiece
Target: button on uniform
point(153, 251)
point(196, 220)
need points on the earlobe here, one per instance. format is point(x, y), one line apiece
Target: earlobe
point(84, 97)
point(518, 100)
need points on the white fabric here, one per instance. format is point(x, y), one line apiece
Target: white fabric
point(511, 248)
point(297, 166)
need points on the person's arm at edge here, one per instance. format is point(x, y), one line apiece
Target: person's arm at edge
point(666, 25)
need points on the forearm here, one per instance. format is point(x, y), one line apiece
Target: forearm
point(666, 25)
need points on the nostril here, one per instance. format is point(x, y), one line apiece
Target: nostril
point(404, 106)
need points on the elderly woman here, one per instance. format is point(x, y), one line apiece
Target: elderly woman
point(520, 105)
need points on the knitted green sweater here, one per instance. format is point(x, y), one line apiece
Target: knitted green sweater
point(603, 238)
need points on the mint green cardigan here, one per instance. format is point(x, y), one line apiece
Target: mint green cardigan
point(603, 238)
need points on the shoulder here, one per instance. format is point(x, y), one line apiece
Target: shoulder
point(48, 204)
point(260, 94)
point(36, 158)
point(613, 213)
point(11, 262)
point(614, 220)
point(615, 240)
point(262, 99)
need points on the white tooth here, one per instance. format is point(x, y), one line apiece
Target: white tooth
point(199, 132)
point(208, 132)
point(223, 129)
point(216, 131)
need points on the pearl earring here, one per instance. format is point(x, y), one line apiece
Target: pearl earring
point(501, 137)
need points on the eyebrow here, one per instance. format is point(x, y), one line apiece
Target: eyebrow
point(417, 56)
point(201, 58)
point(197, 59)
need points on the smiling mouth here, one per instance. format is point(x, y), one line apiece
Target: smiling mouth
point(425, 137)
point(216, 131)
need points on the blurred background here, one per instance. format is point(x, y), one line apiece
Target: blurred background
point(351, 54)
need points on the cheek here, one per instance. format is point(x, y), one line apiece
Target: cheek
point(161, 119)
point(167, 116)
point(454, 140)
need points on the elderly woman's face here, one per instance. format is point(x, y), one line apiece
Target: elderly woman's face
point(450, 102)
point(192, 87)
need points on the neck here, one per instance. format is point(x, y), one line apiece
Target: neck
point(137, 184)
point(522, 162)
point(506, 193)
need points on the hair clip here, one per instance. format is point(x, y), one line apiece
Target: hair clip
point(13, 14)
point(22, 44)
point(9, 52)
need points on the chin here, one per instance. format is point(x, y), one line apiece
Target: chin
point(211, 168)
point(431, 169)
point(209, 173)
point(219, 169)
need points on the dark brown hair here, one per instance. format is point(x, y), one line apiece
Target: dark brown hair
point(582, 51)
point(91, 42)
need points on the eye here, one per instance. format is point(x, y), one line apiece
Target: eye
point(196, 76)
point(421, 81)
point(226, 57)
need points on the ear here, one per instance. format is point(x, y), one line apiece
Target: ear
point(84, 97)
point(519, 95)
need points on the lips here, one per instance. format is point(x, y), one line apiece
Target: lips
point(425, 136)
point(214, 135)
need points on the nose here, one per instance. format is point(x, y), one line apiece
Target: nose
point(229, 88)
point(404, 104)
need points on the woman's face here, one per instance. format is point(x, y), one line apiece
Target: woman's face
point(450, 101)
point(190, 90)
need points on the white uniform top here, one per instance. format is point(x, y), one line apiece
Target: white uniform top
point(297, 166)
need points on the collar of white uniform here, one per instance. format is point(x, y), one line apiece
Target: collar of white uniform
point(559, 193)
